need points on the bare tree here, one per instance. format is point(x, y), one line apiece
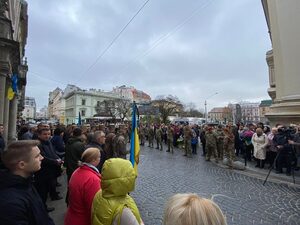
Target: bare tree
point(114, 108)
point(106, 108)
point(190, 110)
point(167, 106)
point(122, 107)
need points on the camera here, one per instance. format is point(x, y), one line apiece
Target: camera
point(287, 132)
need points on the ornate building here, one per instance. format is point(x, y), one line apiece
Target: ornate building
point(283, 19)
point(84, 102)
point(250, 112)
point(13, 67)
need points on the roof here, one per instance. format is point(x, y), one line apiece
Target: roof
point(265, 103)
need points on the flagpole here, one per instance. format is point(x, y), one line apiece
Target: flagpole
point(132, 141)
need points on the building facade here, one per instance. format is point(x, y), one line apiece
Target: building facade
point(220, 114)
point(283, 60)
point(13, 65)
point(250, 112)
point(264, 108)
point(56, 105)
point(42, 114)
point(132, 94)
point(29, 112)
point(84, 102)
point(65, 105)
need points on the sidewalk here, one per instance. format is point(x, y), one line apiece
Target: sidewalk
point(60, 206)
point(259, 173)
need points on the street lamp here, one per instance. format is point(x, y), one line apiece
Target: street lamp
point(205, 104)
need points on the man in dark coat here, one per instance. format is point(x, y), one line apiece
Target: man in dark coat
point(45, 178)
point(74, 150)
point(19, 201)
point(98, 141)
point(58, 142)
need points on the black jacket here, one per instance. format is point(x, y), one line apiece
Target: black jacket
point(49, 167)
point(20, 203)
point(74, 150)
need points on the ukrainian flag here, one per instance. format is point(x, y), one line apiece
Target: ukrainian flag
point(134, 143)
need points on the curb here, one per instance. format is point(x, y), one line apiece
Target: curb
point(251, 172)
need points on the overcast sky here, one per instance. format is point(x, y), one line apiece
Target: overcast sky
point(188, 48)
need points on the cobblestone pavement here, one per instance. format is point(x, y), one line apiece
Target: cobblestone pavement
point(243, 199)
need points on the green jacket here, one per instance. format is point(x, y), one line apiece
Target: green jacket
point(118, 179)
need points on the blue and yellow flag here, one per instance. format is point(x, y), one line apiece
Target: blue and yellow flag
point(134, 143)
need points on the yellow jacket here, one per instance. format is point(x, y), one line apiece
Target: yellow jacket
point(118, 179)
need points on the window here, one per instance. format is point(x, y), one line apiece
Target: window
point(82, 101)
point(82, 112)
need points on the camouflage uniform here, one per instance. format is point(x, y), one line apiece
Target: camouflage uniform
point(220, 138)
point(129, 133)
point(229, 148)
point(142, 135)
point(158, 136)
point(187, 132)
point(151, 136)
point(211, 145)
point(124, 133)
point(170, 132)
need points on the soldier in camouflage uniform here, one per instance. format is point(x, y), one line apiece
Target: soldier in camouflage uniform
point(123, 131)
point(151, 136)
point(164, 129)
point(170, 134)
point(188, 134)
point(129, 128)
point(229, 146)
point(119, 146)
point(142, 134)
point(211, 144)
point(220, 138)
point(158, 137)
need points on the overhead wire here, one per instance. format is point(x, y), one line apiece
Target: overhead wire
point(114, 39)
point(145, 53)
point(165, 36)
point(46, 78)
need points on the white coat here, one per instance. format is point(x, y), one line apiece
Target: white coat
point(260, 143)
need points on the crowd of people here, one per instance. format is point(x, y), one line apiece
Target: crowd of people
point(253, 142)
point(100, 177)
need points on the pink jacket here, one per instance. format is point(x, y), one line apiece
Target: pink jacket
point(84, 184)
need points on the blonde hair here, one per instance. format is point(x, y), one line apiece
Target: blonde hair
point(89, 155)
point(190, 209)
